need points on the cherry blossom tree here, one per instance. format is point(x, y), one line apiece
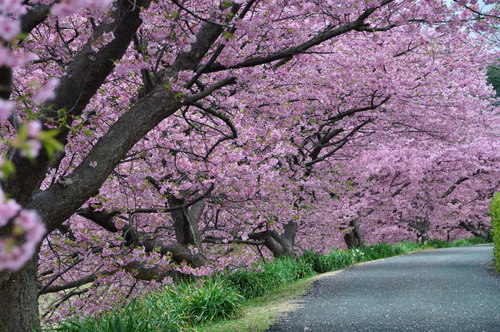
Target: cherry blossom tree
point(181, 122)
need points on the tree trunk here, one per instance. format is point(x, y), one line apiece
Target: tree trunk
point(476, 231)
point(187, 232)
point(421, 226)
point(354, 238)
point(281, 245)
point(19, 299)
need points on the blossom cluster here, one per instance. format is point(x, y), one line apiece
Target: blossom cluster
point(25, 229)
point(68, 7)
point(20, 230)
point(339, 135)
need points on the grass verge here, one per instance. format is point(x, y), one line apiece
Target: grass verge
point(245, 300)
point(259, 313)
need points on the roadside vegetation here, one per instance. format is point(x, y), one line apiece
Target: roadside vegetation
point(244, 300)
point(495, 223)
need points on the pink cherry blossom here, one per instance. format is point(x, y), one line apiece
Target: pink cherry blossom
point(9, 28)
point(199, 147)
point(6, 108)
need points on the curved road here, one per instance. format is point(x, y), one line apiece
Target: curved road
point(439, 290)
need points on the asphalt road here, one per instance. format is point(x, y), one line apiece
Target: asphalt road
point(439, 290)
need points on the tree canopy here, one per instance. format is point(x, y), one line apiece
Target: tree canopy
point(148, 139)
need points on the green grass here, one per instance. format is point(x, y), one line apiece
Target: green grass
point(173, 309)
point(259, 313)
point(437, 243)
point(406, 247)
point(495, 222)
point(336, 260)
point(129, 319)
point(244, 300)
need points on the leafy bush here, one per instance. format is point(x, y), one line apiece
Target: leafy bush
point(495, 222)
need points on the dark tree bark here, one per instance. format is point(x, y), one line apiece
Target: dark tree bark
point(477, 230)
point(354, 238)
point(281, 245)
point(85, 75)
point(421, 226)
point(19, 300)
point(18, 291)
point(187, 232)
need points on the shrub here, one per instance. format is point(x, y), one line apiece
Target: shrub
point(495, 222)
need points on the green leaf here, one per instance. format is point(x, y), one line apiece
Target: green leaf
point(7, 169)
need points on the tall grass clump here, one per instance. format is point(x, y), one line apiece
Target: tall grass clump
point(460, 243)
point(211, 301)
point(477, 240)
point(495, 222)
point(381, 250)
point(174, 309)
point(437, 243)
point(133, 317)
point(405, 247)
point(285, 270)
point(187, 305)
point(248, 283)
point(282, 271)
point(319, 263)
point(341, 259)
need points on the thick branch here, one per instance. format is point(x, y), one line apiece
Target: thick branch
point(298, 49)
point(453, 187)
point(340, 143)
point(35, 16)
point(84, 76)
